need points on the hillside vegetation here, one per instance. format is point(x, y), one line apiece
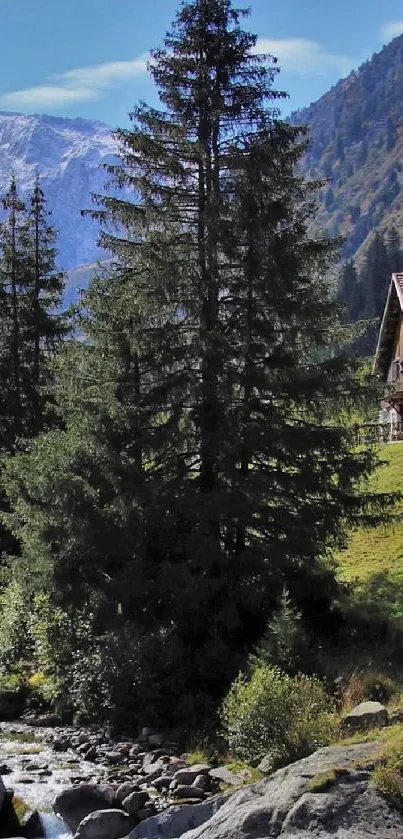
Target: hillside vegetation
point(373, 561)
point(357, 144)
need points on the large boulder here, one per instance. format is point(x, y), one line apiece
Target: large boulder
point(12, 704)
point(365, 716)
point(105, 824)
point(74, 804)
point(177, 820)
point(327, 795)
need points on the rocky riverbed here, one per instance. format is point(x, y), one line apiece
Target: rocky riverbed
point(110, 789)
point(49, 767)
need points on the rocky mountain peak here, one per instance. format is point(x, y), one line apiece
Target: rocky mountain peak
point(68, 155)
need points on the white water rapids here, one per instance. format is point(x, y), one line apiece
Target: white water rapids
point(37, 774)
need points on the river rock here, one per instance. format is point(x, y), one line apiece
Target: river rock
point(3, 794)
point(188, 775)
point(123, 791)
point(152, 762)
point(74, 804)
point(151, 776)
point(364, 716)
point(283, 805)
point(45, 721)
point(135, 802)
point(188, 791)
point(32, 826)
point(104, 824)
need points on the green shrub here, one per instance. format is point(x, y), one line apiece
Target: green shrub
point(389, 781)
point(370, 685)
point(276, 715)
point(16, 647)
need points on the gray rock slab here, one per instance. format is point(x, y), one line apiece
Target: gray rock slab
point(282, 806)
point(178, 820)
point(221, 773)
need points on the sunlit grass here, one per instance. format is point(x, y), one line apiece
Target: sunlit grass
point(373, 560)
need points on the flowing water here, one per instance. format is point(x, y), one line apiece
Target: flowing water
point(37, 774)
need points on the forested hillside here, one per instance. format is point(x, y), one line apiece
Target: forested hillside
point(357, 143)
point(357, 146)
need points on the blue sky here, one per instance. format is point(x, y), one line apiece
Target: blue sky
point(87, 57)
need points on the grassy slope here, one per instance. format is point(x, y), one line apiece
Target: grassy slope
point(373, 560)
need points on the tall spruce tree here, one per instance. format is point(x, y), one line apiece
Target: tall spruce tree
point(350, 291)
point(210, 446)
point(375, 276)
point(31, 288)
point(13, 274)
point(233, 329)
point(44, 322)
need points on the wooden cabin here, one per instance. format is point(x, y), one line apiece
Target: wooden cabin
point(388, 364)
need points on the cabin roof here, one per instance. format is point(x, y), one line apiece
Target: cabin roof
point(390, 321)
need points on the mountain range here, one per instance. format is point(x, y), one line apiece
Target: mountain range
point(356, 132)
point(68, 155)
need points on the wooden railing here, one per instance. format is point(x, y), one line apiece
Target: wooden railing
point(376, 432)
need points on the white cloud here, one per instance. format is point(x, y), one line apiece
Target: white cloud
point(102, 76)
point(298, 55)
point(45, 96)
point(391, 30)
point(77, 85)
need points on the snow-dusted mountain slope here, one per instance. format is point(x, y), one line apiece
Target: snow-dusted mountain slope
point(68, 154)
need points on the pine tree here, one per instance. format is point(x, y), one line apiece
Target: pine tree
point(13, 271)
point(350, 292)
point(375, 276)
point(44, 323)
point(31, 320)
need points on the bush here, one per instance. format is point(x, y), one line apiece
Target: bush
point(16, 646)
point(371, 685)
point(389, 781)
point(276, 715)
